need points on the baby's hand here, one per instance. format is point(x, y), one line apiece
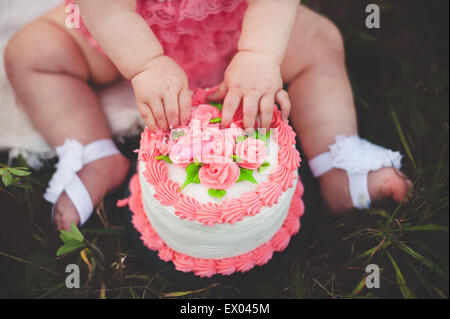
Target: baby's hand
point(254, 79)
point(162, 94)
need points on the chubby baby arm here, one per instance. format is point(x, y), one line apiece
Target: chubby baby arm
point(253, 77)
point(160, 84)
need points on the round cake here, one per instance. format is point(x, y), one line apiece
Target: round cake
point(217, 201)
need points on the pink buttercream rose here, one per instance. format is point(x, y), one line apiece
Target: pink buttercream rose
point(188, 147)
point(234, 131)
point(204, 113)
point(219, 150)
point(219, 176)
point(252, 153)
point(164, 147)
point(181, 154)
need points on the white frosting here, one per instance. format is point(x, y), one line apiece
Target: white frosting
point(219, 240)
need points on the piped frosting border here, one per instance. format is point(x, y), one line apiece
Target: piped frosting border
point(209, 267)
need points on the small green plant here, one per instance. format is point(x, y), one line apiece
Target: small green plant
point(11, 176)
point(72, 240)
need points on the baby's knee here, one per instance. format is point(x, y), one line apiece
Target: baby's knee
point(14, 54)
point(328, 39)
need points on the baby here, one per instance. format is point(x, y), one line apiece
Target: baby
point(247, 48)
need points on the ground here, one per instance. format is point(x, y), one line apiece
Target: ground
point(400, 78)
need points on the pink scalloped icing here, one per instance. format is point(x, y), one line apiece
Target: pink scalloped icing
point(156, 172)
point(168, 193)
point(269, 192)
point(209, 267)
point(284, 135)
point(289, 157)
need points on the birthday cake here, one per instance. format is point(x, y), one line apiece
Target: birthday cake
point(217, 201)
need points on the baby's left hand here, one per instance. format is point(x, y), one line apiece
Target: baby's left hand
point(254, 79)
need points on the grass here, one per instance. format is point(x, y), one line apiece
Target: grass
point(400, 78)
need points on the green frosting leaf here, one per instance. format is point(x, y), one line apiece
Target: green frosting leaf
point(218, 193)
point(264, 137)
point(191, 175)
point(240, 138)
point(164, 158)
point(215, 120)
point(236, 158)
point(246, 175)
point(263, 167)
point(218, 105)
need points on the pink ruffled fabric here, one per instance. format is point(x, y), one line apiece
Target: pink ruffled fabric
point(201, 35)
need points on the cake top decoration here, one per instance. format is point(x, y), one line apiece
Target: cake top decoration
point(216, 157)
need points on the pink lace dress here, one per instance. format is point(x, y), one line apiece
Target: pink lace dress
point(201, 35)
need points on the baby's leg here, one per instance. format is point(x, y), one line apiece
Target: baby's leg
point(323, 107)
point(49, 67)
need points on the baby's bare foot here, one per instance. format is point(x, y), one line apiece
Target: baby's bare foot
point(99, 177)
point(385, 185)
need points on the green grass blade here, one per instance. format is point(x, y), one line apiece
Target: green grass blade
point(406, 292)
point(403, 139)
point(427, 262)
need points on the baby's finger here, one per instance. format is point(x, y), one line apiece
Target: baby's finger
point(266, 110)
point(185, 103)
point(171, 108)
point(147, 116)
point(230, 105)
point(251, 102)
point(282, 98)
point(158, 113)
point(219, 94)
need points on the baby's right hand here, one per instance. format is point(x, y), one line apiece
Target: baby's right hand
point(162, 94)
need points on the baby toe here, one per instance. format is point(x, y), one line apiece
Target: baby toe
point(388, 184)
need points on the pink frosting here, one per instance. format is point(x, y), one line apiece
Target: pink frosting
point(168, 193)
point(148, 150)
point(250, 201)
point(269, 193)
point(219, 176)
point(187, 208)
point(204, 267)
point(200, 95)
point(233, 211)
point(183, 262)
point(238, 118)
point(285, 135)
point(281, 239)
point(244, 263)
point(282, 176)
point(219, 150)
point(209, 267)
point(164, 147)
point(262, 254)
point(182, 154)
point(165, 253)
point(276, 117)
point(225, 266)
point(209, 213)
point(204, 113)
point(289, 157)
point(292, 224)
point(156, 172)
point(252, 153)
point(122, 202)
